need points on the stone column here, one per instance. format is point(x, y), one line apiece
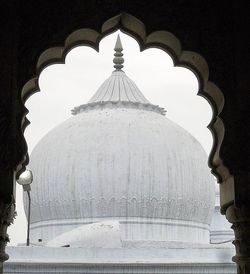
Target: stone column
point(239, 215)
point(7, 213)
point(240, 218)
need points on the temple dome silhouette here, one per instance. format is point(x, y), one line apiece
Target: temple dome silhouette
point(120, 159)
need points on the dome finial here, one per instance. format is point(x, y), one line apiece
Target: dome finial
point(118, 60)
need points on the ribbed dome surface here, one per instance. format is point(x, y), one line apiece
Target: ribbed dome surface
point(119, 87)
point(118, 162)
point(120, 159)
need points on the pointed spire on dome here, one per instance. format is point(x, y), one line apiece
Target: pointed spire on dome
point(118, 89)
point(118, 60)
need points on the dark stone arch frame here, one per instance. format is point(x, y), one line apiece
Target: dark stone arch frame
point(163, 40)
point(191, 60)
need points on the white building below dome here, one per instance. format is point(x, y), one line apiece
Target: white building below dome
point(183, 259)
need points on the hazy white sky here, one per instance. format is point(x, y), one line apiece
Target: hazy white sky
point(65, 86)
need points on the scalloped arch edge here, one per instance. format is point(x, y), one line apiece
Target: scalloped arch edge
point(163, 40)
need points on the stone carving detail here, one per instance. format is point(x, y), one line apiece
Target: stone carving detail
point(118, 104)
point(240, 218)
point(141, 207)
point(7, 215)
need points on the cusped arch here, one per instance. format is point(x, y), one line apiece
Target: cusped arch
point(163, 40)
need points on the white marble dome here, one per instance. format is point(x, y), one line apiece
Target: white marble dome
point(120, 159)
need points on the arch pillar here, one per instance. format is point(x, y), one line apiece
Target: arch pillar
point(7, 213)
point(239, 215)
